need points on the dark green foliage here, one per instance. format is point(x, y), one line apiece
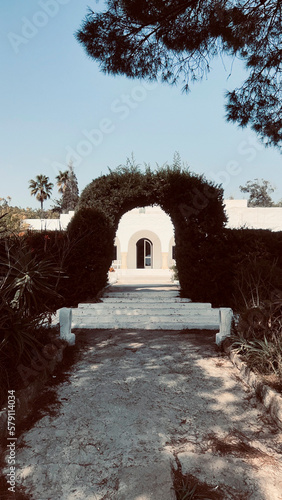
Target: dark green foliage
point(31, 275)
point(196, 210)
point(30, 284)
point(257, 298)
point(57, 247)
point(258, 329)
point(53, 245)
point(118, 192)
point(91, 236)
point(254, 267)
point(28, 294)
point(176, 41)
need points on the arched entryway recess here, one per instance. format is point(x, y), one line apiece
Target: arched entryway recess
point(194, 205)
point(144, 251)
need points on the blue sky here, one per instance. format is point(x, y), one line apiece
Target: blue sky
point(56, 104)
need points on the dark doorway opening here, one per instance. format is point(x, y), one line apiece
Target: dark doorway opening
point(144, 254)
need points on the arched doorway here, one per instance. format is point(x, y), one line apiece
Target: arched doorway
point(144, 254)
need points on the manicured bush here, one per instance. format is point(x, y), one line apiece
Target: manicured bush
point(91, 237)
point(196, 210)
point(255, 266)
point(209, 257)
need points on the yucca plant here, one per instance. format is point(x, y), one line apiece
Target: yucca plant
point(29, 285)
point(17, 333)
point(28, 295)
point(18, 342)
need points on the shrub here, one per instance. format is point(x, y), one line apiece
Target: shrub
point(251, 261)
point(92, 238)
point(194, 205)
point(30, 285)
point(55, 247)
point(30, 279)
point(258, 301)
point(263, 356)
point(28, 295)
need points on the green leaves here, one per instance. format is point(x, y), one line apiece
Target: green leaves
point(28, 295)
point(194, 205)
point(29, 283)
point(262, 355)
point(17, 338)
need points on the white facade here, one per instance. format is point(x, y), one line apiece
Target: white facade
point(49, 224)
point(240, 215)
point(145, 239)
point(145, 236)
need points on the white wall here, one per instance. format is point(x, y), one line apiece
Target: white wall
point(239, 214)
point(50, 224)
point(154, 219)
point(153, 223)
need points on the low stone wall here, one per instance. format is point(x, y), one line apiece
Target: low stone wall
point(271, 400)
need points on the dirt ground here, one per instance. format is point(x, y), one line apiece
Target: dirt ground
point(138, 403)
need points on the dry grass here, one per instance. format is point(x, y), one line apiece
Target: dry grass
point(188, 487)
point(236, 444)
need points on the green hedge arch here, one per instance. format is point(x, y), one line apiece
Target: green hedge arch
point(194, 205)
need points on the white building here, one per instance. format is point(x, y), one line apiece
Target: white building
point(145, 239)
point(145, 236)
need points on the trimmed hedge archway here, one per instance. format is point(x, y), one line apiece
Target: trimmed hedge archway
point(194, 205)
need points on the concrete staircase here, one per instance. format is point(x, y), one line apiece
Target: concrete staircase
point(144, 307)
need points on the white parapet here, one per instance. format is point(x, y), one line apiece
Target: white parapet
point(225, 319)
point(65, 315)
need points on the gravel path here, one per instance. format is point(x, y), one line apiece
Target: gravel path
point(137, 402)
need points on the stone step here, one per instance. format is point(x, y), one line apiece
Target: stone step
point(164, 314)
point(142, 281)
point(143, 296)
point(150, 299)
point(144, 272)
point(146, 323)
point(164, 306)
point(147, 307)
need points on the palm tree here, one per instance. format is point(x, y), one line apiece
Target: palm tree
point(62, 179)
point(41, 188)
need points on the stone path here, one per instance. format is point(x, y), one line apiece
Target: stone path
point(136, 401)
